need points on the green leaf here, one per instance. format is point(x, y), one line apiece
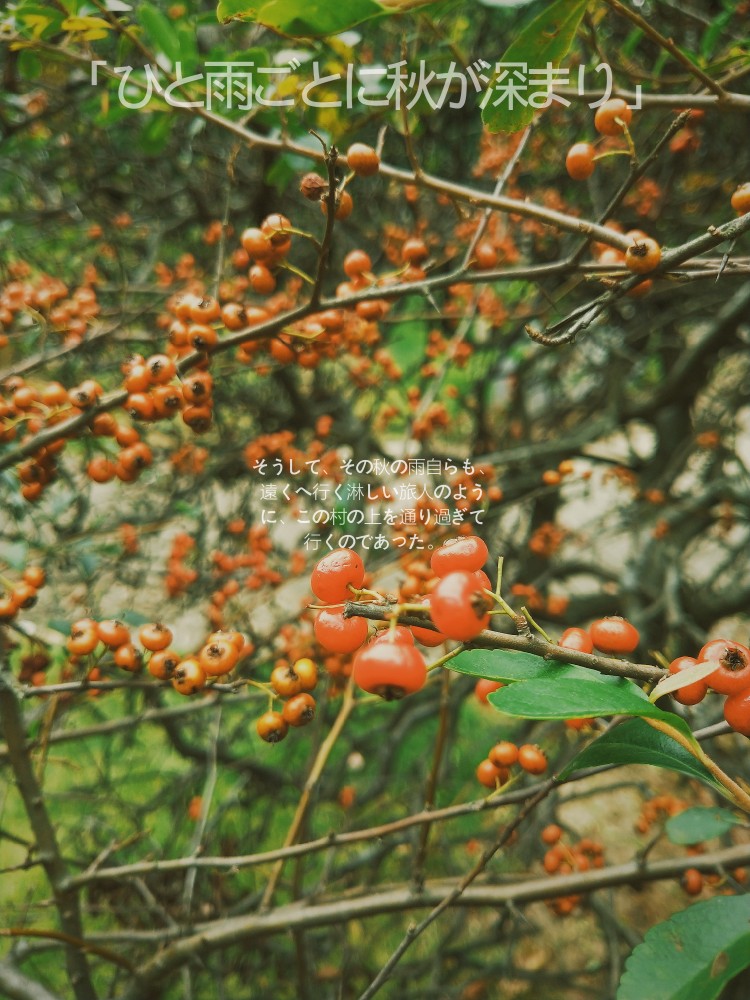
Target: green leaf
point(301, 18)
point(574, 698)
point(545, 39)
point(692, 955)
point(635, 742)
point(236, 10)
point(506, 665)
point(135, 618)
point(14, 554)
point(693, 826)
point(160, 31)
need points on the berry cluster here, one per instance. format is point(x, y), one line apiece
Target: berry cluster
point(22, 594)
point(292, 682)
point(390, 665)
point(494, 771)
point(731, 678)
point(564, 859)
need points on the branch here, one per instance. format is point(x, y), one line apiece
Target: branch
point(66, 898)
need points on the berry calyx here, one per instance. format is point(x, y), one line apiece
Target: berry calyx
point(732, 659)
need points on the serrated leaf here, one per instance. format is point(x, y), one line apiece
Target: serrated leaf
point(693, 826)
point(302, 18)
point(545, 40)
point(635, 742)
point(574, 698)
point(692, 955)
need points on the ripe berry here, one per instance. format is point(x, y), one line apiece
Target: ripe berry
point(155, 636)
point(692, 881)
point(313, 187)
point(414, 251)
point(189, 676)
point(504, 754)
point(741, 199)
point(614, 635)
point(163, 664)
point(732, 673)
point(344, 206)
point(467, 552)
point(643, 255)
point(127, 657)
point(737, 711)
point(306, 672)
point(272, 727)
point(338, 634)
point(362, 159)
point(218, 657)
point(389, 669)
point(458, 606)
point(335, 573)
point(113, 633)
point(285, 681)
point(357, 263)
point(484, 687)
point(531, 759)
point(551, 834)
point(580, 161)
point(577, 638)
point(425, 636)
point(299, 710)
point(690, 694)
point(605, 119)
point(489, 775)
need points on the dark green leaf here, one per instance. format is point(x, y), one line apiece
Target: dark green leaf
point(506, 665)
point(692, 826)
point(545, 39)
point(635, 742)
point(155, 133)
point(573, 698)
point(691, 956)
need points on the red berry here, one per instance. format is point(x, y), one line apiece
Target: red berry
point(338, 634)
point(389, 668)
point(459, 607)
point(426, 636)
point(737, 711)
point(335, 573)
point(468, 552)
point(691, 694)
point(580, 161)
point(484, 687)
point(732, 673)
point(577, 638)
point(614, 635)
